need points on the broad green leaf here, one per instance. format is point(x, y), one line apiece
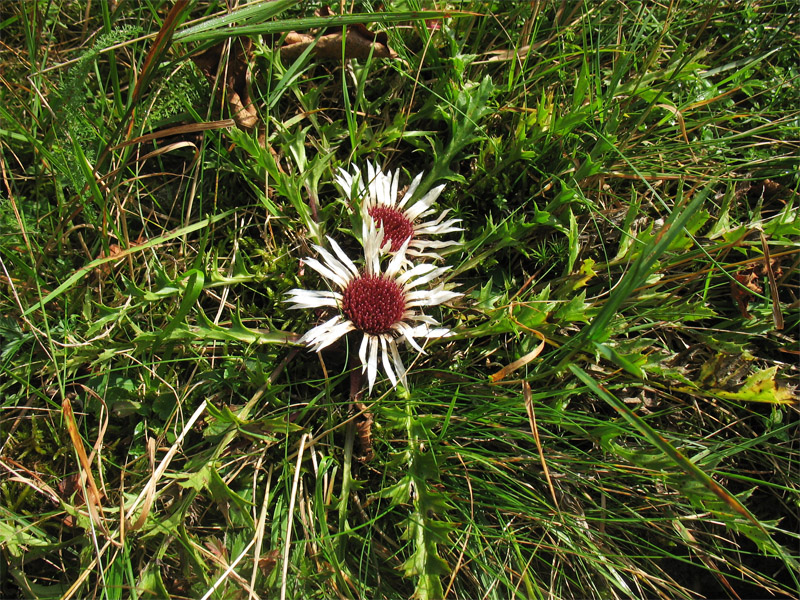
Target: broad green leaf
point(18, 539)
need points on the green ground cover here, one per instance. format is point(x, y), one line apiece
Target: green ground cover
point(614, 413)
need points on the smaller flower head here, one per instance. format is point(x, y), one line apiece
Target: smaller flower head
point(399, 217)
point(383, 303)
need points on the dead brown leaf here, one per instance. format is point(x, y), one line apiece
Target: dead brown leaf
point(766, 191)
point(750, 278)
point(217, 549)
point(267, 562)
point(769, 269)
point(95, 504)
point(66, 488)
point(237, 78)
point(742, 296)
point(359, 42)
point(114, 250)
point(364, 433)
point(517, 364)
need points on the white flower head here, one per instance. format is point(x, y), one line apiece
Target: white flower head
point(401, 219)
point(385, 304)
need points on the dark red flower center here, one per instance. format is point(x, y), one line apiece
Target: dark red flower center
point(396, 226)
point(373, 303)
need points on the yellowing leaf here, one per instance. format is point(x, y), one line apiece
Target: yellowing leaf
point(761, 387)
point(585, 273)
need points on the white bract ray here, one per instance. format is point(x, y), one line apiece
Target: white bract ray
point(401, 219)
point(383, 303)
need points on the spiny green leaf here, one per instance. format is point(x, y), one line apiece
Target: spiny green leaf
point(399, 493)
point(728, 506)
point(85, 270)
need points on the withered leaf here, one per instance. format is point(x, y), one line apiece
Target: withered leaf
point(113, 251)
point(267, 562)
point(217, 548)
point(359, 42)
point(237, 78)
point(750, 278)
point(70, 485)
point(364, 432)
point(742, 296)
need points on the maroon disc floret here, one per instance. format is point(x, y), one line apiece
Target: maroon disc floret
point(373, 303)
point(396, 226)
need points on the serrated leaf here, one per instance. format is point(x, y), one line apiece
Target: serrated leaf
point(573, 310)
point(425, 563)
point(226, 415)
point(207, 331)
point(197, 480)
point(697, 484)
point(586, 272)
point(399, 493)
point(227, 499)
point(786, 225)
point(675, 312)
point(436, 531)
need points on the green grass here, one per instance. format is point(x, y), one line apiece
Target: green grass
point(620, 171)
